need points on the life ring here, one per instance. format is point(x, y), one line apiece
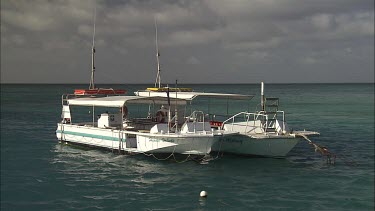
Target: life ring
point(160, 116)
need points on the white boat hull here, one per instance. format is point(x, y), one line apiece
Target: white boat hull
point(263, 146)
point(114, 139)
point(177, 144)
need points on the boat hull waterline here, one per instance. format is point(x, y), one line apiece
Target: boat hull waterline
point(277, 146)
point(115, 139)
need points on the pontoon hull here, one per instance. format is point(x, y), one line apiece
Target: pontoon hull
point(115, 139)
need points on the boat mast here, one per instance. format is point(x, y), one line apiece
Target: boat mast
point(157, 80)
point(169, 109)
point(92, 85)
point(262, 96)
point(176, 111)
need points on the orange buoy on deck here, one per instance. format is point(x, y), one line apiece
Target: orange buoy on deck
point(100, 91)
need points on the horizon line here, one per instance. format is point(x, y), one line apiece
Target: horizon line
point(42, 83)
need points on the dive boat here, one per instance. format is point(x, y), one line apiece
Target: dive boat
point(156, 131)
point(262, 133)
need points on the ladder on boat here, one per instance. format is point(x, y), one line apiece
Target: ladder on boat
point(271, 109)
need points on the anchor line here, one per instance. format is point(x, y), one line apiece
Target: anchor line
point(169, 156)
point(321, 149)
point(324, 151)
point(160, 159)
point(187, 158)
point(218, 152)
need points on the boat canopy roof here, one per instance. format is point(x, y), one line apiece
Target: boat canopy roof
point(192, 95)
point(119, 101)
point(171, 89)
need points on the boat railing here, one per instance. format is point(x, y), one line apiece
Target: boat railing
point(267, 120)
point(197, 117)
point(272, 119)
point(246, 116)
point(65, 98)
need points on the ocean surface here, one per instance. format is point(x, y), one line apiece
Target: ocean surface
point(38, 173)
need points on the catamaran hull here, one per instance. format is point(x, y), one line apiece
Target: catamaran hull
point(178, 145)
point(247, 145)
point(139, 143)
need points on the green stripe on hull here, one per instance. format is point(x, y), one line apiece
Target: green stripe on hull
point(110, 138)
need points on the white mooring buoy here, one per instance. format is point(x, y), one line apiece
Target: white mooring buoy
point(203, 193)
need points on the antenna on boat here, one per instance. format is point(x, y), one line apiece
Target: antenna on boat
point(262, 96)
point(169, 109)
point(176, 111)
point(92, 85)
point(157, 80)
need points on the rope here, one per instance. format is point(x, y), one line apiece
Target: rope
point(187, 158)
point(325, 152)
point(160, 159)
point(331, 157)
point(218, 152)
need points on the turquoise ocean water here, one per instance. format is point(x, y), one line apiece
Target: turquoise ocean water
point(37, 173)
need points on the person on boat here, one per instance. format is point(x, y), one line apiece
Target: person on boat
point(66, 121)
point(161, 114)
point(124, 111)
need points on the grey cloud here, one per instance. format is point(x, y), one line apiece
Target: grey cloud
point(193, 60)
point(226, 38)
point(42, 15)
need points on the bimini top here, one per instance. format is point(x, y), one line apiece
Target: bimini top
point(171, 89)
point(192, 95)
point(119, 101)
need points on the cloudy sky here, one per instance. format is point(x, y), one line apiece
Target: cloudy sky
point(200, 41)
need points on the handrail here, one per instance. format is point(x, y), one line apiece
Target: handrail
point(276, 112)
point(246, 116)
point(256, 116)
point(193, 116)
